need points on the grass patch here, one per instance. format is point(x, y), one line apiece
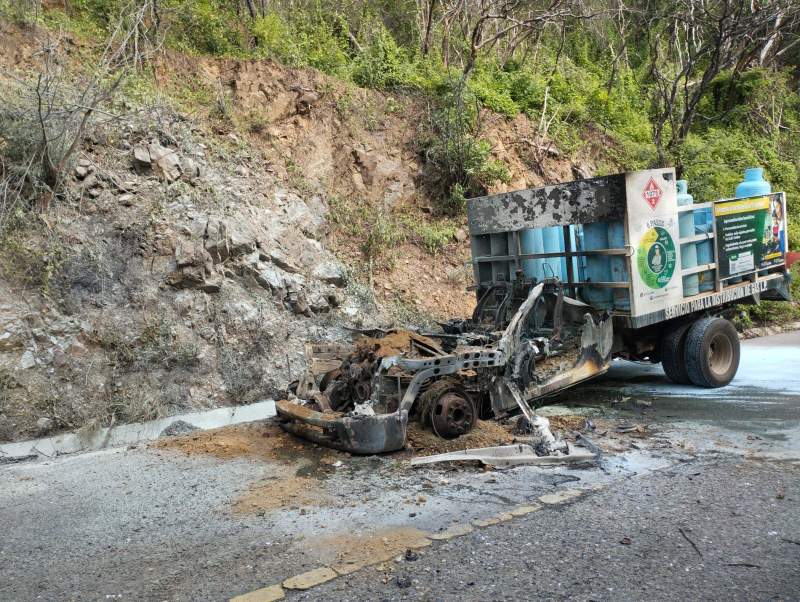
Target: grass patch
point(432, 235)
point(157, 346)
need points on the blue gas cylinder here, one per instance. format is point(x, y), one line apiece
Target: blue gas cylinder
point(531, 243)
point(684, 198)
point(753, 184)
point(686, 228)
point(618, 265)
point(553, 243)
point(686, 219)
point(598, 267)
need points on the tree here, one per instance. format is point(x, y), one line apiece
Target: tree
point(690, 42)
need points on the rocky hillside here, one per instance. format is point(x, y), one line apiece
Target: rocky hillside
point(225, 213)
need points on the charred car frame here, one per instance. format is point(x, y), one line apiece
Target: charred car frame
point(524, 341)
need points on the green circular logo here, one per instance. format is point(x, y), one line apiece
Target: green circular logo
point(655, 257)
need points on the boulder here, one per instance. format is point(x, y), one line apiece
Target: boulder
point(188, 253)
point(270, 278)
point(141, 156)
point(216, 240)
point(44, 424)
point(296, 301)
point(179, 427)
point(190, 170)
point(28, 360)
point(366, 164)
point(12, 336)
point(240, 242)
point(319, 303)
point(167, 162)
point(194, 268)
point(81, 172)
point(228, 238)
point(330, 272)
point(305, 102)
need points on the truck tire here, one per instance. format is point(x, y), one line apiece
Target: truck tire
point(712, 352)
point(673, 354)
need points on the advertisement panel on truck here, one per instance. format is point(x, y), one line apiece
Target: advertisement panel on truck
point(751, 234)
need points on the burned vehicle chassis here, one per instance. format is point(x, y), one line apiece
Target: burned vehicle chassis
point(496, 364)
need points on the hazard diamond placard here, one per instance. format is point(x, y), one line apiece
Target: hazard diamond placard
point(652, 193)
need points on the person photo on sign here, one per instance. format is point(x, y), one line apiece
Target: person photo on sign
point(777, 244)
point(656, 259)
point(777, 225)
point(769, 241)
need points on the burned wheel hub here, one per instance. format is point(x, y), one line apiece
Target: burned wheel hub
point(452, 415)
point(447, 409)
point(363, 390)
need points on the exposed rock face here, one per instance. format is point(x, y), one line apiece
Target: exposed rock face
point(194, 269)
point(227, 238)
point(190, 265)
point(165, 162)
point(331, 272)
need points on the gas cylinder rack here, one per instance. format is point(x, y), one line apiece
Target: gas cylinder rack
point(615, 242)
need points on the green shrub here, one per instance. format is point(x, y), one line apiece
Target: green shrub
point(431, 235)
point(274, 38)
point(459, 162)
point(382, 234)
point(383, 64)
point(493, 94)
point(205, 27)
point(306, 41)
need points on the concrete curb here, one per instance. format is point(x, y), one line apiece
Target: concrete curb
point(129, 434)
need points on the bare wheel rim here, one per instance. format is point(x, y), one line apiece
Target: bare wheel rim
point(452, 415)
point(720, 355)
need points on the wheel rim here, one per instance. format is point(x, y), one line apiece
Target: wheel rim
point(452, 415)
point(720, 355)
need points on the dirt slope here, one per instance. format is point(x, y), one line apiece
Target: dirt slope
point(200, 244)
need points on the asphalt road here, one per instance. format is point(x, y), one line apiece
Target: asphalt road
point(706, 501)
point(723, 529)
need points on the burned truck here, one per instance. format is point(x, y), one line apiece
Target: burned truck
point(567, 279)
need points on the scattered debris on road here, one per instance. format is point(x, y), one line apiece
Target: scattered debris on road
point(508, 455)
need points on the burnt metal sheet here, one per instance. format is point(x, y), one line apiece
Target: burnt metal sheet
point(509, 455)
point(354, 434)
point(581, 202)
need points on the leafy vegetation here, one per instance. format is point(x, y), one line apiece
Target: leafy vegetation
point(614, 75)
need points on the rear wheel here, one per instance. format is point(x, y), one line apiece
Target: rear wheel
point(712, 352)
point(673, 357)
point(447, 409)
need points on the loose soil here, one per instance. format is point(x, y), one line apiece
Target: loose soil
point(252, 440)
point(347, 552)
point(483, 434)
point(395, 343)
point(287, 493)
point(567, 423)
